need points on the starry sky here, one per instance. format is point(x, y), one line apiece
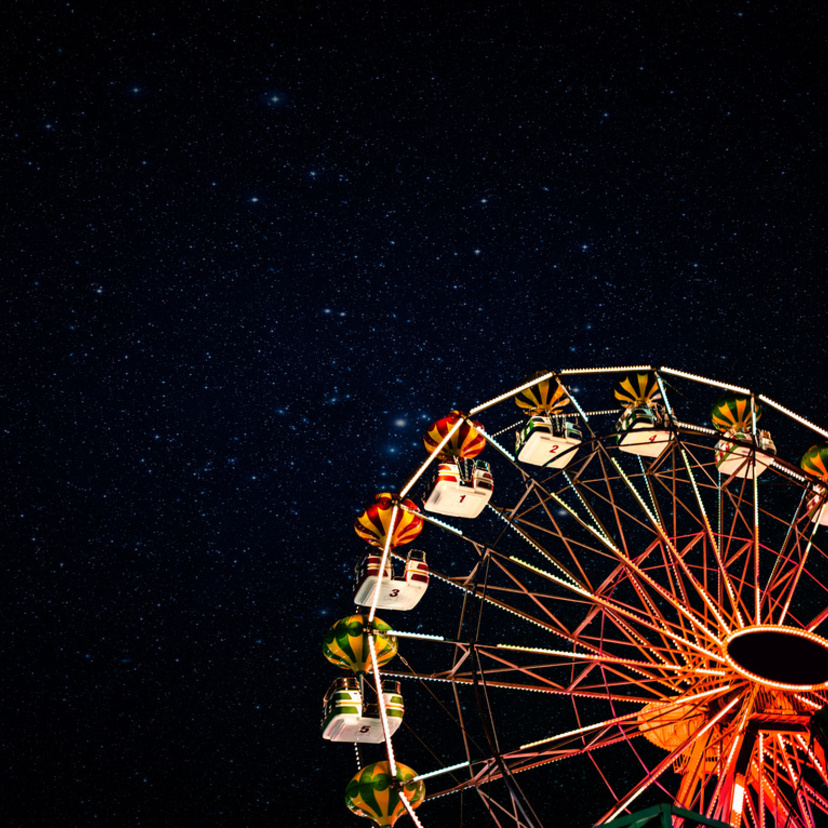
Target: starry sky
point(252, 249)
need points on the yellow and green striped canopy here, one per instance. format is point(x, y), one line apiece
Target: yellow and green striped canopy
point(732, 412)
point(374, 524)
point(346, 643)
point(636, 389)
point(371, 793)
point(547, 397)
point(815, 461)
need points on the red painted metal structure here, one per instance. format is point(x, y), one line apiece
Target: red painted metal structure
point(684, 603)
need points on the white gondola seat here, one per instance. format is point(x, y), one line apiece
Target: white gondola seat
point(737, 454)
point(346, 718)
point(457, 493)
point(817, 506)
point(547, 441)
point(644, 430)
point(396, 592)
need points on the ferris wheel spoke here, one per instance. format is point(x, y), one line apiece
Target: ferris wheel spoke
point(630, 720)
point(530, 486)
point(612, 472)
point(457, 721)
point(741, 524)
point(646, 476)
point(533, 596)
point(817, 620)
point(661, 656)
point(600, 689)
point(784, 561)
point(597, 494)
point(639, 578)
point(543, 498)
point(643, 622)
point(632, 623)
point(502, 605)
point(757, 595)
point(620, 616)
point(661, 683)
point(797, 573)
point(609, 606)
point(703, 594)
point(593, 497)
point(675, 585)
point(627, 562)
point(665, 763)
point(544, 687)
point(491, 804)
point(526, 536)
point(524, 528)
point(487, 770)
point(648, 670)
point(521, 523)
point(699, 478)
point(721, 568)
point(506, 666)
point(649, 607)
point(748, 586)
point(414, 818)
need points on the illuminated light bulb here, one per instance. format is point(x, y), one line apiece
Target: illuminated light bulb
point(606, 370)
point(705, 380)
point(738, 797)
point(425, 636)
point(792, 415)
point(698, 428)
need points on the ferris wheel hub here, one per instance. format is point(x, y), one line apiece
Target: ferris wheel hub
point(787, 658)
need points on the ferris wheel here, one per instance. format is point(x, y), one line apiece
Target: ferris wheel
point(618, 586)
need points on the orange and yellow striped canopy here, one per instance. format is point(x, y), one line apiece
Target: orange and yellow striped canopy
point(467, 441)
point(636, 389)
point(374, 524)
point(547, 397)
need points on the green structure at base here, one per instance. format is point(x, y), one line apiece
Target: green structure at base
point(661, 816)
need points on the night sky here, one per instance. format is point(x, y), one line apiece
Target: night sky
point(252, 249)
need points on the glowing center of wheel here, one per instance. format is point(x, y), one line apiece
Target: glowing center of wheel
point(785, 657)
